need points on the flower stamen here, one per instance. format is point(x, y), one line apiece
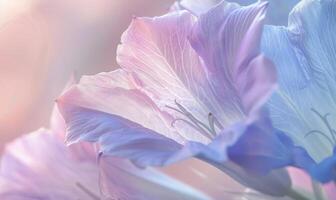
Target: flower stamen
point(324, 118)
point(214, 121)
point(198, 128)
point(320, 133)
point(208, 131)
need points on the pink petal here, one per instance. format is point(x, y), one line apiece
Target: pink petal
point(114, 93)
point(167, 68)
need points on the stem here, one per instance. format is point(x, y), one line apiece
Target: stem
point(296, 195)
point(318, 191)
point(274, 184)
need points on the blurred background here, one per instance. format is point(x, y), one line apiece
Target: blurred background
point(44, 42)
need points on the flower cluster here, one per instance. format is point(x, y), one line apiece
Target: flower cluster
point(210, 81)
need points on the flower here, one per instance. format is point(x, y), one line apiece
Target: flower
point(28, 172)
point(197, 7)
point(304, 106)
point(188, 86)
point(40, 166)
point(278, 10)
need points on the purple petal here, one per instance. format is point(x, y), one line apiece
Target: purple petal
point(228, 38)
point(140, 184)
point(259, 149)
point(253, 153)
point(95, 111)
point(120, 137)
point(57, 123)
point(257, 83)
point(27, 171)
point(197, 7)
point(80, 151)
point(167, 68)
point(115, 93)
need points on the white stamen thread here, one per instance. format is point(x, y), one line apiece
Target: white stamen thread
point(208, 131)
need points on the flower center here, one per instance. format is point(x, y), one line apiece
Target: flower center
point(87, 191)
point(331, 135)
point(208, 129)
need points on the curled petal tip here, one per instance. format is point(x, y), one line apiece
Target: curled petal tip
point(263, 6)
point(264, 3)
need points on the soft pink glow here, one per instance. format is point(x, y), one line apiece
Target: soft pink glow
point(43, 42)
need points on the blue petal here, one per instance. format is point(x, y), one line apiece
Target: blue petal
point(260, 150)
point(278, 10)
point(300, 157)
point(255, 152)
point(304, 54)
point(121, 137)
point(325, 171)
point(312, 27)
